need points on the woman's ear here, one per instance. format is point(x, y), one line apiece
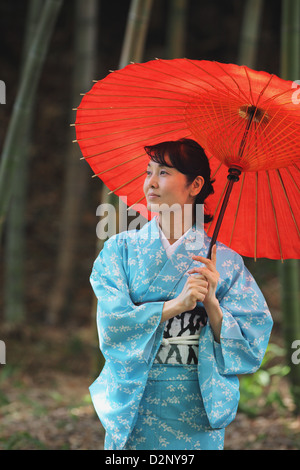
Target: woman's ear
point(197, 185)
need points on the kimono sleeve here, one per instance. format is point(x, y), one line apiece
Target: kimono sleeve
point(247, 322)
point(126, 331)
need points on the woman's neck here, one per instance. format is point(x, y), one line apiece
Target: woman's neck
point(174, 224)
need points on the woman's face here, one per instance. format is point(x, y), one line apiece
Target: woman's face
point(167, 186)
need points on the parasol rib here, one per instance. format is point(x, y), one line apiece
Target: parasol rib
point(232, 92)
point(148, 116)
point(237, 208)
point(256, 216)
point(244, 138)
point(127, 130)
point(250, 88)
point(134, 96)
point(255, 132)
point(288, 201)
point(132, 143)
point(197, 83)
point(274, 213)
point(274, 97)
point(127, 182)
point(279, 151)
point(135, 203)
point(118, 165)
point(292, 177)
point(263, 90)
point(112, 108)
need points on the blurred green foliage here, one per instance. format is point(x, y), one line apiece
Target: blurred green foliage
point(261, 389)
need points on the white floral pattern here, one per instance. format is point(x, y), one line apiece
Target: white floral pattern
point(171, 414)
point(130, 302)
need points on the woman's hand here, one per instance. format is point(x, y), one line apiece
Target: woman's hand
point(194, 290)
point(200, 287)
point(210, 302)
point(210, 273)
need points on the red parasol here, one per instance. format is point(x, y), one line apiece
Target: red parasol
point(248, 122)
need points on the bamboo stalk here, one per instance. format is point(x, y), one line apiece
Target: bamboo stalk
point(136, 30)
point(24, 100)
point(14, 307)
point(133, 47)
point(132, 50)
point(250, 33)
point(76, 178)
point(176, 28)
point(289, 270)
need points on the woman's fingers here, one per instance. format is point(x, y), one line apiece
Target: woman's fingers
point(204, 273)
point(214, 255)
point(198, 286)
point(199, 279)
point(209, 270)
point(208, 262)
point(198, 275)
point(195, 270)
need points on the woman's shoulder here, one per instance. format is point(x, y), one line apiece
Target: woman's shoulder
point(127, 237)
point(228, 255)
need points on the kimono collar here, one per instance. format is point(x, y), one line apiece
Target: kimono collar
point(170, 248)
point(194, 240)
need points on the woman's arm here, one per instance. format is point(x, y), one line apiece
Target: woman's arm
point(246, 321)
point(126, 331)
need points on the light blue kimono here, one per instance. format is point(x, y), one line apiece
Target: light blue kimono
point(132, 278)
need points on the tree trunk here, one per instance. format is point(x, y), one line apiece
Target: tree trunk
point(76, 172)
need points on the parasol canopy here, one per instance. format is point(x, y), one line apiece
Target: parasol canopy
point(248, 122)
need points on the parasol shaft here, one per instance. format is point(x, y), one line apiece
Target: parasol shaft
point(252, 112)
point(233, 177)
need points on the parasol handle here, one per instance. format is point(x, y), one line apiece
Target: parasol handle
point(233, 177)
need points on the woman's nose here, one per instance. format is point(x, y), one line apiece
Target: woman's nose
point(153, 182)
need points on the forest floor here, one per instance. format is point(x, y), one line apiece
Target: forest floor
point(45, 402)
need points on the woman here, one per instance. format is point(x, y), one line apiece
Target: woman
point(175, 328)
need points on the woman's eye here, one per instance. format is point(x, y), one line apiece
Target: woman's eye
point(163, 172)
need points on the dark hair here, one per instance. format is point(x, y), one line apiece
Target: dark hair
point(188, 157)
